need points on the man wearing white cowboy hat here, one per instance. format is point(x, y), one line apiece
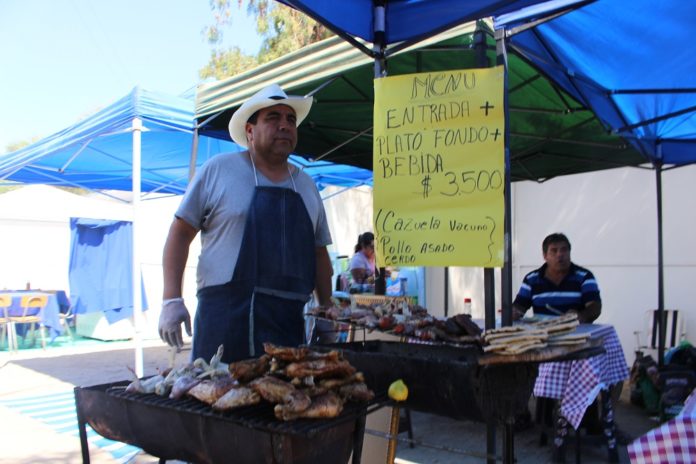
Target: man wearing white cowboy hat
point(264, 235)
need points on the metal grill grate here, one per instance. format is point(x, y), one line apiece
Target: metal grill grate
point(259, 416)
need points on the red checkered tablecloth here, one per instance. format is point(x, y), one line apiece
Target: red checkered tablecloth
point(577, 383)
point(674, 442)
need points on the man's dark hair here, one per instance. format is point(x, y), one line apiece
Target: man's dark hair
point(253, 118)
point(554, 238)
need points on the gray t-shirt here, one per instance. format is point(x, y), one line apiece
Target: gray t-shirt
point(216, 203)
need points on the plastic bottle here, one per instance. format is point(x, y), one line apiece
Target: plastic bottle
point(467, 306)
point(403, 286)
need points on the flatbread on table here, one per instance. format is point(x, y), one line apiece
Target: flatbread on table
point(554, 321)
point(503, 330)
point(570, 336)
point(523, 337)
point(520, 333)
point(561, 328)
point(524, 348)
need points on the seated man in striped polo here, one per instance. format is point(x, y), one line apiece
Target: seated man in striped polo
point(559, 286)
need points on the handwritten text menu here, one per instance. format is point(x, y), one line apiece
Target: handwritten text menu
point(438, 168)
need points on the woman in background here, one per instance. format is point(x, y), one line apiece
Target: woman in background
point(362, 265)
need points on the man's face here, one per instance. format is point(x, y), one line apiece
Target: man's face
point(275, 132)
point(557, 256)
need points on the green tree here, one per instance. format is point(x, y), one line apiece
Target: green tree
point(281, 28)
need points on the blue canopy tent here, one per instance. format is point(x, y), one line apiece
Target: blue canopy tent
point(143, 142)
point(96, 153)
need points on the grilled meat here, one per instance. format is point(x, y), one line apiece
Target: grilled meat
point(285, 353)
point(144, 385)
point(331, 384)
point(249, 369)
point(236, 397)
point(274, 390)
point(209, 391)
point(325, 406)
point(182, 385)
point(320, 368)
point(356, 392)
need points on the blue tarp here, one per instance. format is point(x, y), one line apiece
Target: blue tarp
point(630, 62)
point(100, 271)
point(96, 153)
point(405, 20)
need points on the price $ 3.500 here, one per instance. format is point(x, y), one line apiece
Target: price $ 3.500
point(464, 183)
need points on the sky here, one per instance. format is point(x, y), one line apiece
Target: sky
point(61, 60)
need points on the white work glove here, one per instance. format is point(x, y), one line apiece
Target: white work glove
point(173, 313)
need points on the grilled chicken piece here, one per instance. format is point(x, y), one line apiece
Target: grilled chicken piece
point(325, 406)
point(295, 403)
point(144, 385)
point(237, 397)
point(332, 355)
point(314, 390)
point(182, 385)
point(332, 384)
point(320, 368)
point(356, 392)
point(249, 369)
point(285, 353)
point(272, 388)
point(165, 387)
point(275, 390)
point(209, 391)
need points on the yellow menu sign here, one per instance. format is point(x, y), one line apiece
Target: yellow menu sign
point(439, 168)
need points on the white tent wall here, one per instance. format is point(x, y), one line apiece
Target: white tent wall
point(35, 244)
point(35, 231)
point(349, 212)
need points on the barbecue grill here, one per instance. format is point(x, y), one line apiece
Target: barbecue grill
point(189, 430)
point(444, 380)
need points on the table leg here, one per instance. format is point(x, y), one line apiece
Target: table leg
point(609, 425)
point(509, 441)
point(393, 433)
point(560, 432)
point(358, 437)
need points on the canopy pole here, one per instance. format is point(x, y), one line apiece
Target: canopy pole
point(194, 154)
point(661, 322)
point(506, 272)
point(380, 71)
point(137, 278)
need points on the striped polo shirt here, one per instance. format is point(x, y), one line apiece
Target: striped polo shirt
point(577, 288)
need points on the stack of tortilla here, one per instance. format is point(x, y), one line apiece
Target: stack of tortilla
point(561, 330)
point(514, 339)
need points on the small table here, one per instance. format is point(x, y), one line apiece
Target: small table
point(57, 303)
point(577, 383)
point(672, 442)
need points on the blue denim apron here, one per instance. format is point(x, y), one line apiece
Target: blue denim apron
point(271, 283)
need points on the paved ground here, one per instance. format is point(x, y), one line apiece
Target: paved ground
point(30, 381)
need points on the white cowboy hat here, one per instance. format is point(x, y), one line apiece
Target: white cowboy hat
point(269, 96)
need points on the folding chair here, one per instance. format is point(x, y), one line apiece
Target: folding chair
point(66, 320)
point(5, 303)
point(32, 306)
point(673, 328)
